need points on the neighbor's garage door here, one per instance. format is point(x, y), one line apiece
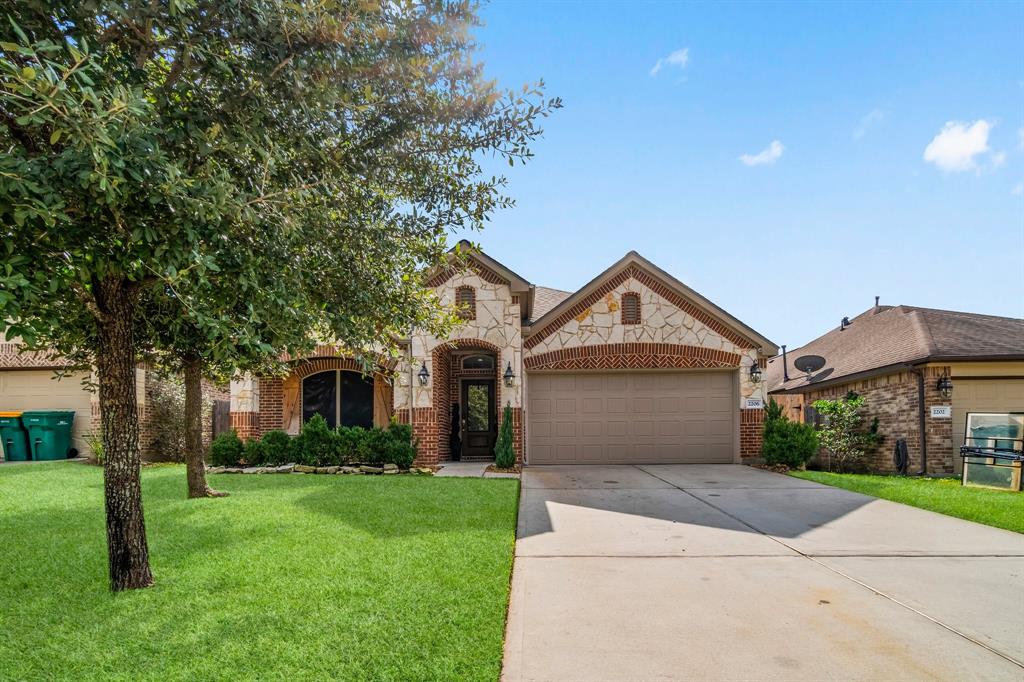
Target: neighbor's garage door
point(36, 389)
point(622, 418)
point(982, 395)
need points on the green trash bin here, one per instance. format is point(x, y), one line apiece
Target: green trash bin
point(49, 433)
point(15, 440)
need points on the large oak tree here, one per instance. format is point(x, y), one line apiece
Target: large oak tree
point(183, 145)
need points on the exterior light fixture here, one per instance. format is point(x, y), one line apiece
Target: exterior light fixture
point(424, 375)
point(944, 386)
point(755, 373)
point(509, 375)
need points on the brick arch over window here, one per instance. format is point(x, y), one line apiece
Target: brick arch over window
point(281, 398)
point(465, 302)
point(441, 394)
point(630, 308)
point(633, 356)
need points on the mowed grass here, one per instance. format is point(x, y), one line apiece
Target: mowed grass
point(292, 577)
point(997, 508)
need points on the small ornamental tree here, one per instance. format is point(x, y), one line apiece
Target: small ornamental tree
point(843, 434)
point(504, 451)
point(785, 441)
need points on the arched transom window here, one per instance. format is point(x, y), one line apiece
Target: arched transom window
point(465, 302)
point(630, 308)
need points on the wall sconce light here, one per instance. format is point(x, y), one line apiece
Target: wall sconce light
point(509, 375)
point(944, 386)
point(424, 375)
point(755, 373)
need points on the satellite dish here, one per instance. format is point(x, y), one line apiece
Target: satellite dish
point(809, 364)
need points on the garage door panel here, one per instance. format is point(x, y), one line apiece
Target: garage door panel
point(633, 418)
point(41, 390)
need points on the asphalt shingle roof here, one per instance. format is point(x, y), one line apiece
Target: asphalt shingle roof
point(545, 298)
point(891, 335)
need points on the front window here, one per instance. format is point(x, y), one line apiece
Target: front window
point(341, 397)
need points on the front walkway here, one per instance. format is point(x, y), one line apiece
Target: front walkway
point(728, 572)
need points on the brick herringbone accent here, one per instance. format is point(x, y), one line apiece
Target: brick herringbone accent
point(655, 285)
point(13, 356)
point(633, 356)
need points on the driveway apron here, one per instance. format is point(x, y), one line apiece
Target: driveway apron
point(725, 572)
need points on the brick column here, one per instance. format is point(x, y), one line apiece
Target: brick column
point(751, 433)
point(245, 407)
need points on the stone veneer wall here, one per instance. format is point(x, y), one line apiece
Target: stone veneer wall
point(893, 399)
point(495, 327)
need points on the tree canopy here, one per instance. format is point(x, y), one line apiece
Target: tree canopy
point(308, 159)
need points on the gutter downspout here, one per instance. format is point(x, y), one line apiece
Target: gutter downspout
point(921, 425)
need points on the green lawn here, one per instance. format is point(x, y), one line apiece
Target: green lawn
point(944, 495)
point(292, 577)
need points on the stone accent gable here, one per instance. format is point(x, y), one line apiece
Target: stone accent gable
point(472, 267)
point(659, 305)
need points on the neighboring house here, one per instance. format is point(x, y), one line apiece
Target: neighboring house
point(633, 367)
point(34, 380)
point(893, 354)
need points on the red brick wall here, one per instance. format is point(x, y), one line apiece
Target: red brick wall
point(892, 398)
point(246, 424)
point(751, 433)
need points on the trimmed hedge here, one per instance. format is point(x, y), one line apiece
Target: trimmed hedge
point(319, 445)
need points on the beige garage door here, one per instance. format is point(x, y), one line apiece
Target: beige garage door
point(38, 390)
point(988, 395)
point(621, 418)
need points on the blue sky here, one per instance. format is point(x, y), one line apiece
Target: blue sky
point(775, 161)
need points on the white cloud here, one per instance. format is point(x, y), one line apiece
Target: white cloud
point(769, 154)
point(869, 120)
point(957, 145)
point(678, 59)
point(1020, 140)
point(998, 159)
point(1018, 189)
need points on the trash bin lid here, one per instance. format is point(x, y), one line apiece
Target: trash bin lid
point(46, 413)
point(14, 413)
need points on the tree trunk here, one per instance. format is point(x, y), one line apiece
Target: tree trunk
point(128, 553)
point(194, 463)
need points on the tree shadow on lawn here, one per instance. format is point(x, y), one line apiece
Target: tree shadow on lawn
point(405, 506)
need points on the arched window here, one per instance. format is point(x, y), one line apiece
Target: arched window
point(478, 362)
point(342, 397)
point(630, 308)
point(465, 302)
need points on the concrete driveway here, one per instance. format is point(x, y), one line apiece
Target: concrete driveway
point(725, 572)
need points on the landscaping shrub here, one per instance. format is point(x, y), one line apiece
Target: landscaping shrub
point(253, 453)
point(504, 452)
point(276, 448)
point(317, 444)
point(785, 441)
point(842, 434)
point(166, 420)
point(226, 449)
point(401, 449)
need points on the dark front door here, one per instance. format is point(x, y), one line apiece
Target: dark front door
point(479, 419)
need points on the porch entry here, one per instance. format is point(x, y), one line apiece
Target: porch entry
point(479, 419)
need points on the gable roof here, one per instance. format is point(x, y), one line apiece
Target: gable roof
point(636, 266)
point(891, 336)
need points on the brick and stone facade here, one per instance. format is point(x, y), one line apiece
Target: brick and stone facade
point(676, 331)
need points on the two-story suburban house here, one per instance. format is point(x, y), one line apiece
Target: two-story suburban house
point(634, 367)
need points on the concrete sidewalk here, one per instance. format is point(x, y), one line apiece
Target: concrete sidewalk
point(727, 572)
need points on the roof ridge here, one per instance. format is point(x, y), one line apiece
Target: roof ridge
point(925, 330)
